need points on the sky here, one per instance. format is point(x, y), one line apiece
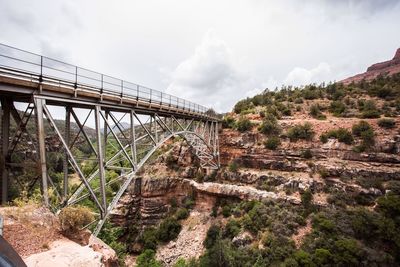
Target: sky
point(210, 52)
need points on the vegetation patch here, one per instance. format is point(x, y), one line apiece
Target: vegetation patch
point(301, 131)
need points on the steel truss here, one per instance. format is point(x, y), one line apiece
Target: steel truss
point(117, 152)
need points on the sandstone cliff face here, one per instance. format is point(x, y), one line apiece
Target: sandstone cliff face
point(389, 67)
point(339, 159)
point(148, 200)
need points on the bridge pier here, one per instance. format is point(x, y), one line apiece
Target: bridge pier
point(5, 136)
point(67, 141)
point(42, 148)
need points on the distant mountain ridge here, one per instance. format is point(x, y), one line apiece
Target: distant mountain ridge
point(389, 68)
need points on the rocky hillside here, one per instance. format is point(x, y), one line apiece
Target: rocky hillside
point(310, 176)
point(389, 67)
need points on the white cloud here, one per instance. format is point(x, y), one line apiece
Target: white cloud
point(259, 42)
point(209, 76)
point(301, 76)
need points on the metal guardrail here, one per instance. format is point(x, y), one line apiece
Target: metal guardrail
point(15, 60)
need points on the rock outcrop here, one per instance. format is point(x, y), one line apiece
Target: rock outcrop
point(34, 232)
point(66, 253)
point(389, 67)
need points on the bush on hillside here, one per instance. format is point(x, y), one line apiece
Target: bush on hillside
point(228, 122)
point(168, 229)
point(299, 131)
point(361, 127)
point(270, 125)
point(341, 134)
point(243, 124)
point(272, 142)
point(232, 228)
point(315, 112)
point(337, 108)
point(243, 105)
point(233, 166)
point(366, 133)
point(73, 219)
point(307, 154)
point(213, 234)
point(387, 123)
point(182, 214)
point(148, 259)
point(369, 110)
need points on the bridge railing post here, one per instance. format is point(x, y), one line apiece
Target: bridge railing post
point(76, 77)
point(151, 92)
point(122, 89)
point(41, 69)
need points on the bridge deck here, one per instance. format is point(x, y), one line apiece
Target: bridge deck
point(23, 74)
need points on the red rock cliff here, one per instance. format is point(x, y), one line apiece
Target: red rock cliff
point(389, 67)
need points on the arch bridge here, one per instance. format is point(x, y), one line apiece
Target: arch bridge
point(46, 107)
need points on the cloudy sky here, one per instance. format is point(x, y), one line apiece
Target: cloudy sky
point(210, 52)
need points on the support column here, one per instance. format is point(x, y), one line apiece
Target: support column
point(155, 128)
point(5, 135)
point(39, 103)
point(105, 132)
point(133, 139)
point(100, 159)
point(217, 144)
point(67, 137)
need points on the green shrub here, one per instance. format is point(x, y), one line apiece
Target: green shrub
point(181, 262)
point(323, 172)
point(168, 230)
point(228, 122)
point(149, 238)
point(360, 127)
point(386, 123)
point(323, 138)
point(369, 110)
point(188, 202)
point(270, 125)
point(213, 234)
point(304, 132)
point(272, 142)
point(171, 161)
point(337, 108)
point(307, 154)
point(182, 214)
point(307, 199)
point(322, 257)
point(303, 258)
point(242, 105)
point(299, 100)
point(389, 205)
point(366, 133)
point(315, 112)
point(243, 124)
point(72, 219)
point(347, 252)
point(287, 111)
point(148, 259)
point(233, 166)
point(226, 211)
point(341, 134)
point(232, 229)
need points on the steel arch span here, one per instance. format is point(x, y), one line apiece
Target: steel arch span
point(93, 165)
